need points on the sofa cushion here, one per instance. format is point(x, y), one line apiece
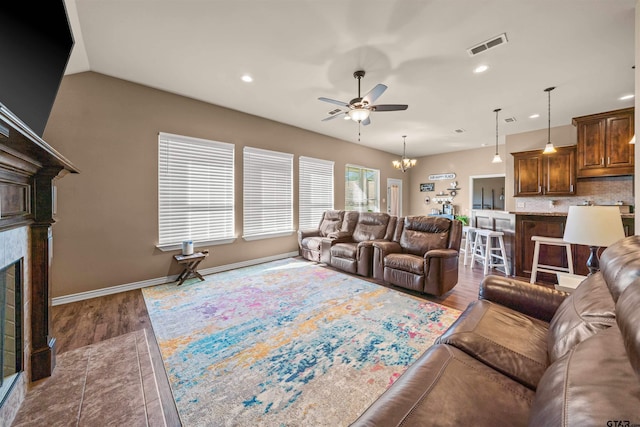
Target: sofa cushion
point(620, 264)
point(628, 318)
point(446, 387)
point(405, 262)
point(344, 250)
point(371, 226)
point(508, 341)
point(592, 385)
point(331, 222)
point(588, 310)
point(422, 233)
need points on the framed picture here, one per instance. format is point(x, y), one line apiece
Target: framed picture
point(427, 186)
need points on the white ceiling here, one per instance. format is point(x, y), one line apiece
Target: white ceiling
point(299, 50)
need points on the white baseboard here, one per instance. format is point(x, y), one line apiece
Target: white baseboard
point(80, 296)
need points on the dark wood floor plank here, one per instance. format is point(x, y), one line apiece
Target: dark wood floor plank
point(86, 322)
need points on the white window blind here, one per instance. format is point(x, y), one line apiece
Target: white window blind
point(195, 190)
point(268, 193)
point(315, 193)
point(362, 188)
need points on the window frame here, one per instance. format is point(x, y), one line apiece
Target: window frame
point(324, 172)
point(352, 205)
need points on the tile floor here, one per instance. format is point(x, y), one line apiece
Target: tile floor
point(110, 383)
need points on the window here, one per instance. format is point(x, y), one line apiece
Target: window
point(362, 187)
point(315, 193)
point(268, 194)
point(195, 191)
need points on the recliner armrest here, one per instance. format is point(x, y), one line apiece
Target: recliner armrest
point(441, 253)
point(387, 247)
point(340, 236)
point(530, 299)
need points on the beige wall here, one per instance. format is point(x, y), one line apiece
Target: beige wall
point(464, 164)
point(107, 224)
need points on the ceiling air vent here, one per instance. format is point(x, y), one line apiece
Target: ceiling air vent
point(336, 111)
point(510, 119)
point(486, 45)
point(459, 130)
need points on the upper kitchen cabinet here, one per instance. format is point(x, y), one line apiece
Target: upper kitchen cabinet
point(537, 174)
point(603, 143)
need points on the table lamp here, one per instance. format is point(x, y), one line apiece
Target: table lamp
point(594, 226)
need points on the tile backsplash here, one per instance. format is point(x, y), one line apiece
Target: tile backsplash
point(597, 191)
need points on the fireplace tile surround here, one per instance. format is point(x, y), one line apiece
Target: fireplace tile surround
point(14, 245)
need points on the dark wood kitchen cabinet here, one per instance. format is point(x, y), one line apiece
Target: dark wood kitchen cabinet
point(603, 143)
point(537, 174)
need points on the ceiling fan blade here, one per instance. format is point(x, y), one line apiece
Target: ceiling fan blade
point(374, 94)
point(389, 107)
point(333, 116)
point(333, 101)
point(366, 121)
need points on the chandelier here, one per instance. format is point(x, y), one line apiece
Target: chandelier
point(404, 163)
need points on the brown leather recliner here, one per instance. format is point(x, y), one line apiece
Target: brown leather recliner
point(423, 255)
point(353, 252)
point(310, 240)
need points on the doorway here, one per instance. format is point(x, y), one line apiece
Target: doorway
point(487, 192)
point(394, 197)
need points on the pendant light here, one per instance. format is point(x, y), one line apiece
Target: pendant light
point(497, 158)
point(404, 163)
point(549, 148)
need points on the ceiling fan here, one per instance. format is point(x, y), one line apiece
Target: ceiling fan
point(358, 109)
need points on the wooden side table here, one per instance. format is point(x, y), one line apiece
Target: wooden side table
point(190, 263)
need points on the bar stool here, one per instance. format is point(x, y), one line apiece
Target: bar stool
point(469, 235)
point(551, 241)
point(484, 250)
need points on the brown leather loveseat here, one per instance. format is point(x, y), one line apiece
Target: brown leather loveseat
point(423, 255)
point(524, 354)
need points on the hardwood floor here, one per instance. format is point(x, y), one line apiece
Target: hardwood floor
point(82, 323)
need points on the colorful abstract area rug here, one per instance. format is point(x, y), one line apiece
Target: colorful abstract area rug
point(286, 343)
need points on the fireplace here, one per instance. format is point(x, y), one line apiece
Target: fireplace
point(10, 326)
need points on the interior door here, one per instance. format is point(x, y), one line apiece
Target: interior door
point(394, 196)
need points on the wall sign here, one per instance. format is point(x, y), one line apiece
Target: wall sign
point(427, 186)
point(441, 176)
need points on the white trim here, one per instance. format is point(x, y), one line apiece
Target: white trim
point(81, 296)
point(489, 175)
point(178, 246)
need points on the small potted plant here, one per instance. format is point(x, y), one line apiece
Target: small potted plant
point(463, 219)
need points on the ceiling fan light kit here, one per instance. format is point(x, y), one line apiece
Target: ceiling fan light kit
point(360, 108)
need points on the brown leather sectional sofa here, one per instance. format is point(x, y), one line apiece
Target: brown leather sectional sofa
point(417, 252)
point(524, 354)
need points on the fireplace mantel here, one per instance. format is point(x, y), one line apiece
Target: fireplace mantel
point(28, 170)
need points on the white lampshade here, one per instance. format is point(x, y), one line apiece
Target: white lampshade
point(496, 159)
point(359, 114)
point(593, 225)
point(633, 140)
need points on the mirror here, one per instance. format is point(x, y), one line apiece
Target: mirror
point(488, 193)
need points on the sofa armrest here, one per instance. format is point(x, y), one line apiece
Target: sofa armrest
point(303, 234)
point(340, 237)
point(380, 250)
point(533, 300)
point(441, 253)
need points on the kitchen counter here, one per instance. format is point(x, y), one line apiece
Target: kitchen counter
point(623, 215)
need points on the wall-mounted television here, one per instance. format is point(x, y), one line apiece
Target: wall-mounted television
point(35, 45)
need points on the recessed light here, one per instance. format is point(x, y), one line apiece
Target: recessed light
point(481, 69)
point(247, 78)
point(534, 116)
point(624, 98)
